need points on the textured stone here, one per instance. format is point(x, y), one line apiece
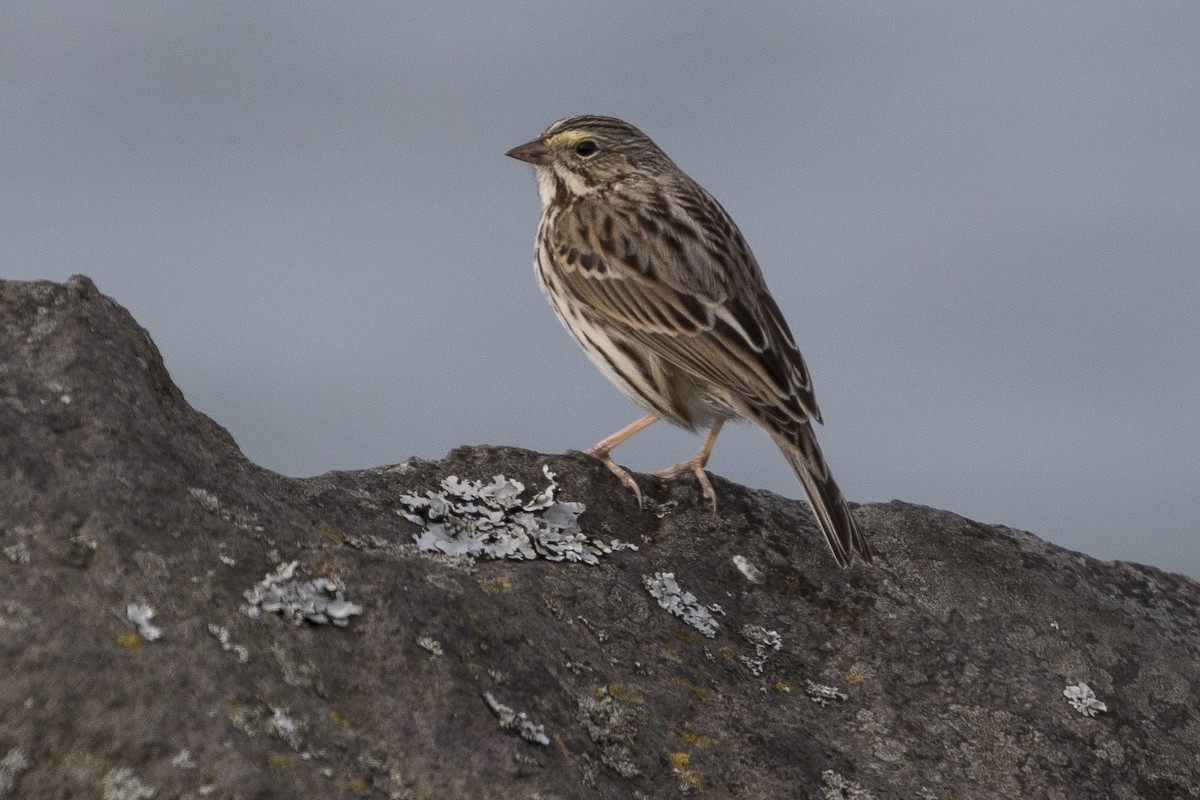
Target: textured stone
point(940, 671)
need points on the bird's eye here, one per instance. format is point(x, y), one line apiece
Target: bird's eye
point(586, 148)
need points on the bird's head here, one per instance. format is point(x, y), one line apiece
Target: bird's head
point(577, 156)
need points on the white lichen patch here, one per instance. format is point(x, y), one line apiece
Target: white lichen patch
point(748, 570)
point(663, 587)
point(765, 643)
point(17, 553)
point(430, 645)
point(1084, 700)
point(212, 504)
point(221, 634)
point(123, 784)
point(11, 766)
point(140, 615)
point(491, 520)
point(286, 727)
point(513, 721)
point(820, 693)
point(612, 727)
point(208, 501)
point(15, 615)
point(320, 600)
point(836, 787)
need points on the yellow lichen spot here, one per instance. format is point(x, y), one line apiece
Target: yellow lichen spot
point(692, 739)
point(358, 784)
point(495, 585)
point(728, 654)
point(282, 762)
point(668, 652)
point(607, 655)
point(130, 641)
point(783, 687)
point(338, 719)
point(624, 693)
point(701, 695)
point(688, 779)
point(853, 677)
point(330, 534)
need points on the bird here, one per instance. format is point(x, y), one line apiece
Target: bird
point(654, 280)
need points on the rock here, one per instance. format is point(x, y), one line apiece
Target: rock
point(308, 647)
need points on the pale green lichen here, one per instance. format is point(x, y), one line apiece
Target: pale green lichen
point(822, 694)
point(517, 721)
point(123, 784)
point(663, 587)
point(140, 615)
point(491, 520)
point(765, 643)
point(319, 601)
point(1084, 700)
point(11, 766)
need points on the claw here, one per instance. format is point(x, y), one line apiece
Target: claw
point(696, 464)
point(603, 448)
point(696, 467)
point(616, 469)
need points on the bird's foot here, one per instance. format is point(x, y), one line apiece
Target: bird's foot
point(694, 465)
point(602, 455)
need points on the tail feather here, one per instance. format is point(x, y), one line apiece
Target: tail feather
point(800, 448)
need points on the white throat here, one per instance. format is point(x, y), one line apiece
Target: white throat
point(545, 184)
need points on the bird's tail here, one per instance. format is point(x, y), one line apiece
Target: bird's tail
point(800, 448)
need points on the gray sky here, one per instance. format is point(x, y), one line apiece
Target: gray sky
point(982, 221)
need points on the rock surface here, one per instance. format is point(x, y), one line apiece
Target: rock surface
point(938, 673)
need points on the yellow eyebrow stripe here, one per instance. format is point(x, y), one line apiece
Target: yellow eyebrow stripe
point(568, 137)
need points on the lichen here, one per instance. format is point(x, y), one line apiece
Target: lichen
point(11, 766)
point(835, 787)
point(519, 722)
point(612, 727)
point(491, 520)
point(140, 615)
point(663, 587)
point(212, 504)
point(1084, 700)
point(765, 643)
point(221, 634)
point(123, 784)
point(748, 570)
point(18, 553)
point(822, 694)
point(319, 601)
point(430, 645)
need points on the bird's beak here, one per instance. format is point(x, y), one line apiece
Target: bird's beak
point(533, 152)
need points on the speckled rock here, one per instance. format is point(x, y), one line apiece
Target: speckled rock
point(141, 655)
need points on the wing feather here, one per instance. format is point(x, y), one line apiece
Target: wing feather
point(687, 288)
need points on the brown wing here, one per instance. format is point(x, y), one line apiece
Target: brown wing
point(681, 281)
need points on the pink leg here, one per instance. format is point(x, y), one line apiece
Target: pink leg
point(602, 449)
